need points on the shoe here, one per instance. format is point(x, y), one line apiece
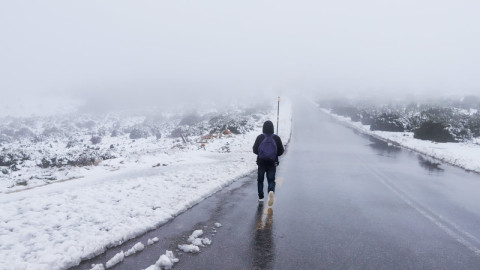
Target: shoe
point(270, 198)
point(260, 200)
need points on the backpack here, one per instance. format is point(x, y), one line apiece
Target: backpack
point(268, 148)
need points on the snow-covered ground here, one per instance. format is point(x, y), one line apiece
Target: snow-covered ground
point(465, 155)
point(55, 226)
point(39, 151)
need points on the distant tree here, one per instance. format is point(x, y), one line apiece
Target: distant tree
point(190, 120)
point(470, 102)
point(24, 133)
point(52, 132)
point(474, 124)
point(347, 111)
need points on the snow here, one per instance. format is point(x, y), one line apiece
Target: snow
point(152, 241)
point(195, 239)
point(465, 155)
point(58, 225)
point(136, 248)
point(195, 235)
point(206, 241)
point(218, 225)
point(166, 261)
point(97, 267)
point(118, 258)
point(196, 242)
point(189, 248)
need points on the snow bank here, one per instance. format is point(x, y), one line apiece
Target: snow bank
point(57, 226)
point(465, 155)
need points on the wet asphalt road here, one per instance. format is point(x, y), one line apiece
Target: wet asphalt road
point(343, 201)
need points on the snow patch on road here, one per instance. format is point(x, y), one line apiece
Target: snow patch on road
point(152, 241)
point(97, 267)
point(189, 248)
point(195, 242)
point(166, 261)
point(118, 258)
point(136, 248)
point(194, 236)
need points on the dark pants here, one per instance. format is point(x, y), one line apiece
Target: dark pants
point(270, 171)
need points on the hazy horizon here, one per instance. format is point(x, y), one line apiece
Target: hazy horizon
point(164, 52)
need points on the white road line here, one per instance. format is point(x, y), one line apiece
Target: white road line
point(455, 232)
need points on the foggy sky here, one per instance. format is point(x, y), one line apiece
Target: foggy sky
point(171, 50)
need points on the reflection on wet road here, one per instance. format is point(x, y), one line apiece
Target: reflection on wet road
point(263, 247)
point(429, 164)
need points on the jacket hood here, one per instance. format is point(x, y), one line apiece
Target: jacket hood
point(268, 127)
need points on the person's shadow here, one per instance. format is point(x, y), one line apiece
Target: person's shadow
point(263, 246)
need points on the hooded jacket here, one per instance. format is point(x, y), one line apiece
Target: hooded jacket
point(268, 130)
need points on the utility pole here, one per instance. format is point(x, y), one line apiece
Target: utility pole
point(278, 113)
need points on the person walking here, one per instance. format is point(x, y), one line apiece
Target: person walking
point(268, 147)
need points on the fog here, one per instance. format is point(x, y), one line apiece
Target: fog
point(165, 52)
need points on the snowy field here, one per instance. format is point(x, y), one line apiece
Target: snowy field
point(56, 224)
point(465, 154)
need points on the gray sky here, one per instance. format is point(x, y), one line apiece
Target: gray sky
point(166, 50)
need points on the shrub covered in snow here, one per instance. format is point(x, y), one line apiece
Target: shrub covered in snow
point(12, 159)
point(52, 132)
point(434, 131)
point(38, 149)
point(190, 120)
point(347, 111)
point(452, 120)
point(218, 124)
point(96, 139)
point(474, 124)
point(388, 122)
point(24, 132)
point(138, 133)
